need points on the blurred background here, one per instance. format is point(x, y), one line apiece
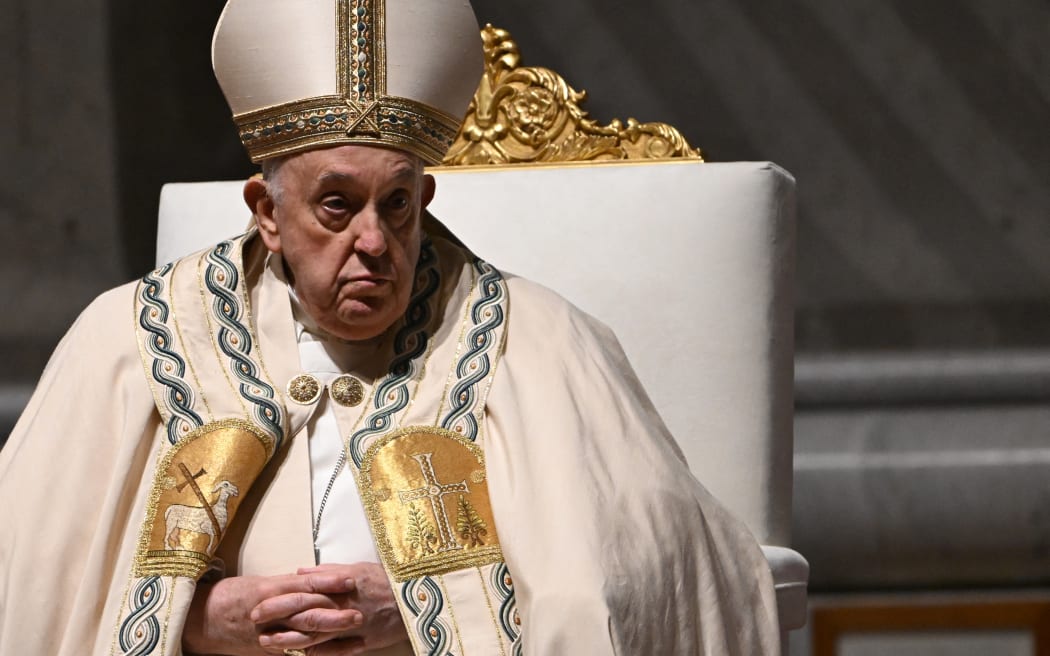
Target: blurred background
point(919, 134)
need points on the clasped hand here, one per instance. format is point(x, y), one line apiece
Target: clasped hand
point(328, 610)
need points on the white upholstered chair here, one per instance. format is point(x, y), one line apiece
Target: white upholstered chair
point(690, 264)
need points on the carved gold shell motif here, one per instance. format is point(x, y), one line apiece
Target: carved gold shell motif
point(530, 114)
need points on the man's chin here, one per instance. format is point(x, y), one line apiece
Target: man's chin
point(360, 321)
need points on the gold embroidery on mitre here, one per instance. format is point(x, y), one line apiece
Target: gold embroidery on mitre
point(304, 389)
point(427, 499)
point(347, 391)
point(197, 489)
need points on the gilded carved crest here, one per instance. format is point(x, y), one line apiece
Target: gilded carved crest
point(530, 114)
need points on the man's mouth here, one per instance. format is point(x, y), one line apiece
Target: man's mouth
point(365, 283)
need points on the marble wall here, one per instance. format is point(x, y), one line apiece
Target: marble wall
point(59, 191)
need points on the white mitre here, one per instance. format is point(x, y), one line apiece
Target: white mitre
point(302, 74)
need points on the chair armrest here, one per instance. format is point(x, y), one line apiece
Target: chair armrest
point(790, 578)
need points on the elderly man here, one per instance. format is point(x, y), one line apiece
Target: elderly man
point(342, 432)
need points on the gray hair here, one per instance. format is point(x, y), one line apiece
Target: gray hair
point(271, 170)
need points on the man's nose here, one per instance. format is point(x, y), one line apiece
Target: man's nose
point(369, 238)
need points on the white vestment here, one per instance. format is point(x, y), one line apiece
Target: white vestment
point(345, 537)
point(613, 546)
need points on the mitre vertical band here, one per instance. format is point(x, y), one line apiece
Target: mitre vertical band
point(312, 73)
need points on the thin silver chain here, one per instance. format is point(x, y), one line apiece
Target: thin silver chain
point(337, 470)
point(324, 500)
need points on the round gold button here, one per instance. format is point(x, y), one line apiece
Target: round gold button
point(304, 389)
point(347, 390)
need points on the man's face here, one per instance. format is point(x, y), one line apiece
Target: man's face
point(346, 220)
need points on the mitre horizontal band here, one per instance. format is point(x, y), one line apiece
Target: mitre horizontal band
point(333, 120)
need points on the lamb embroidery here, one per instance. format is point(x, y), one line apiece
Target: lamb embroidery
point(206, 519)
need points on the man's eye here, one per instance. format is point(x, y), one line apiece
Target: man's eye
point(398, 202)
point(334, 204)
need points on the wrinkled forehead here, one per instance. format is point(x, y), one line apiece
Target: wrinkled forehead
point(356, 168)
point(347, 164)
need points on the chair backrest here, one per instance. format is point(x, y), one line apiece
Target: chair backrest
point(691, 264)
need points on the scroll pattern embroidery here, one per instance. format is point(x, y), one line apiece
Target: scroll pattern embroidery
point(423, 597)
point(168, 367)
point(486, 315)
point(140, 632)
point(509, 621)
point(222, 280)
point(391, 394)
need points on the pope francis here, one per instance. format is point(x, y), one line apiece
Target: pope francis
point(342, 432)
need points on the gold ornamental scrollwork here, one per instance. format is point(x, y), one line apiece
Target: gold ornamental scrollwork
point(529, 114)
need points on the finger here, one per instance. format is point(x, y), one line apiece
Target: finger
point(349, 570)
point(286, 605)
point(340, 647)
point(280, 641)
point(325, 621)
point(324, 582)
point(333, 582)
point(321, 567)
point(357, 564)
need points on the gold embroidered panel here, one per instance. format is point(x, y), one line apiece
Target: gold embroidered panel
point(427, 499)
point(198, 487)
point(529, 114)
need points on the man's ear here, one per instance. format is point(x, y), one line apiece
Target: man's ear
point(257, 197)
point(429, 185)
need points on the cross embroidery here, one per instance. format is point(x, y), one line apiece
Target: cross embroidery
point(434, 491)
point(191, 480)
